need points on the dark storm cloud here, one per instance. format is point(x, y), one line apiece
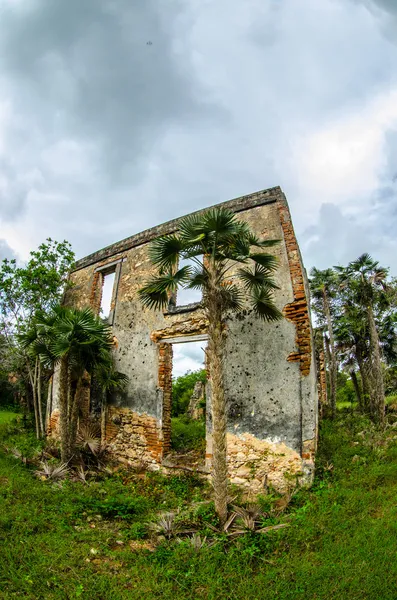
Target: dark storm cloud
point(117, 115)
point(100, 72)
point(388, 5)
point(105, 69)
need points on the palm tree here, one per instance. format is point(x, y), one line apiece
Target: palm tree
point(351, 335)
point(231, 272)
point(322, 288)
point(78, 341)
point(365, 281)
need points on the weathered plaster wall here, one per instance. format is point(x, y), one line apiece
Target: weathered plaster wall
point(269, 368)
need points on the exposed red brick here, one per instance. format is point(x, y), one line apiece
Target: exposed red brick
point(165, 383)
point(297, 311)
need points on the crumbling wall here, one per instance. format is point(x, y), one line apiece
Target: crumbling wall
point(269, 368)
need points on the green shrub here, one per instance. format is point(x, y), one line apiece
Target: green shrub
point(182, 390)
point(391, 399)
point(186, 433)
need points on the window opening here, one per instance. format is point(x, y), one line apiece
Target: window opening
point(107, 294)
point(189, 398)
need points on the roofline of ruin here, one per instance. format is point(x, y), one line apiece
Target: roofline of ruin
point(236, 205)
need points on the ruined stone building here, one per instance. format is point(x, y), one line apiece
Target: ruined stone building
point(269, 368)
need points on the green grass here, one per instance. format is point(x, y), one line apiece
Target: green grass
point(6, 416)
point(341, 543)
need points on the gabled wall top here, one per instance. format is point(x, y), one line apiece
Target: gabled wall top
point(236, 205)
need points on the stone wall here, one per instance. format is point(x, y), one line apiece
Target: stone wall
point(270, 375)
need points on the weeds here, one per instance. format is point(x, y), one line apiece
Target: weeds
point(340, 542)
point(53, 472)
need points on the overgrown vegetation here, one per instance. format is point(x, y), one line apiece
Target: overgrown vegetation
point(355, 309)
point(187, 433)
point(130, 535)
point(182, 390)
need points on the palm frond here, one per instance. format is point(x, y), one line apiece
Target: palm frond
point(255, 241)
point(164, 251)
point(153, 300)
point(55, 472)
point(264, 306)
point(155, 294)
point(259, 277)
point(220, 222)
point(268, 261)
point(232, 297)
point(236, 248)
point(191, 229)
point(198, 279)
point(89, 437)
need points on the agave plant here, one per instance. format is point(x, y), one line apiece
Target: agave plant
point(52, 471)
point(166, 525)
point(245, 520)
point(197, 542)
point(248, 519)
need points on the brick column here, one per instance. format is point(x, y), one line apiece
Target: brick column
point(165, 383)
point(298, 310)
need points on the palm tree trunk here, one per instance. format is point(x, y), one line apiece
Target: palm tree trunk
point(103, 417)
point(74, 413)
point(377, 384)
point(328, 377)
point(63, 408)
point(48, 411)
point(333, 363)
point(215, 349)
point(365, 377)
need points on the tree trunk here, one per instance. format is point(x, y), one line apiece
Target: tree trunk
point(40, 411)
point(74, 414)
point(63, 408)
point(215, 349)
point(33, 380)
point(328, 377)
point(48, 411)
point(333, 367)
point(357, 389)
point(103, 417)
point(365, 377)
point(377, 383)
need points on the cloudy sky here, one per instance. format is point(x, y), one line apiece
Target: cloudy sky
point(116, 115)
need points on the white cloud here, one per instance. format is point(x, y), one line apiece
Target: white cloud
point(187, 357)
point(344, 161)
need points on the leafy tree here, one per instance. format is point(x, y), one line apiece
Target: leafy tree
point(182, 390)
point(232, 273)
point(26, 290)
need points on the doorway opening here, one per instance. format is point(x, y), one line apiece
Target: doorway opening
point(189, 402)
